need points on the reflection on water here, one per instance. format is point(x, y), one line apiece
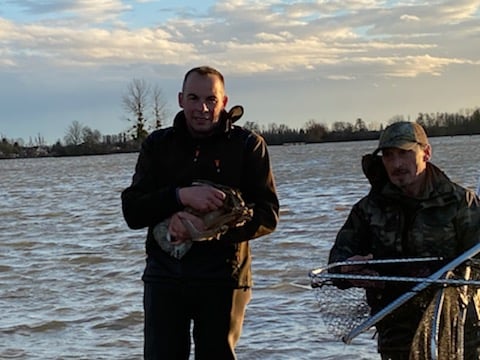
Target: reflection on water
point(70, 268)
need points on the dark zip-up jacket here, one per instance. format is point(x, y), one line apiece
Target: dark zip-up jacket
point(171, 158)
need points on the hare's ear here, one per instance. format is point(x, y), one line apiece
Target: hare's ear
point(235, 113)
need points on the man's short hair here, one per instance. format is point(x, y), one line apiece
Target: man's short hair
point(203, 70)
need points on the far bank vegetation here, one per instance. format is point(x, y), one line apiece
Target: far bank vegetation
point(146, 110)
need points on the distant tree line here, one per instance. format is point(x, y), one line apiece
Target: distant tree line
point(436, 124)
point(147, 110)
point(82, 140)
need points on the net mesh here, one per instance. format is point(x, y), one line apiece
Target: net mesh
point(341, 310)
point(447, 341)
point(448, 331)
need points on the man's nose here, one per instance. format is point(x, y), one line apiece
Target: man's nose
point(396, 161)
point(202, 105)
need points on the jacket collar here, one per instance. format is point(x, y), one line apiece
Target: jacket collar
point(437, 182)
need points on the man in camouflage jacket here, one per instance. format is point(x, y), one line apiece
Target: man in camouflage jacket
point(412, 210)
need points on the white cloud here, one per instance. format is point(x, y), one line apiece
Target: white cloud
point(409, 18)
point(314, 41)
point(250, 36)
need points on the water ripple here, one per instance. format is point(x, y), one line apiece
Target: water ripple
point(70, 268)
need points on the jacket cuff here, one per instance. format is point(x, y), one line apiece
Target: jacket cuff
point(177, 196)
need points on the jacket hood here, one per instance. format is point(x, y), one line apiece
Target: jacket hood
point(372, 167)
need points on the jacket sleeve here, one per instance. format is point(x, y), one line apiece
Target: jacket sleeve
point(353, 237)
point(468, 221)
point(259, 189)
point(144, 203)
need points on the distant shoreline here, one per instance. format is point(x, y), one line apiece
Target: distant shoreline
point(85, 150)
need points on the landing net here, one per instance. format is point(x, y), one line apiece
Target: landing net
point(341, 310)
point(344, 311)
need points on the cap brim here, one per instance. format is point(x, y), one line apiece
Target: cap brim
point(404, 145)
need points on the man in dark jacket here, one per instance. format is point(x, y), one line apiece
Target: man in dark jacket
point(204, 282)
point(412, 210)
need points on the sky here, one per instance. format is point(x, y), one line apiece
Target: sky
point(287, 62)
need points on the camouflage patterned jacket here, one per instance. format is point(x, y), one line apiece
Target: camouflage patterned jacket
point(444, 222)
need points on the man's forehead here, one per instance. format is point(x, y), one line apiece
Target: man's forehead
point(195, 78)
point(397, 150)
point(203, 85)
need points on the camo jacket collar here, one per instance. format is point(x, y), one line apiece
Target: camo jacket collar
point(437, 189)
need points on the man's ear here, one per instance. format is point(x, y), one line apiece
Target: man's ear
point(180, 99)
point(225, 101)
point(427, 152)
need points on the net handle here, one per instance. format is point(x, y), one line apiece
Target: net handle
point(334, 265)
point(371, 321)
point(321, 279)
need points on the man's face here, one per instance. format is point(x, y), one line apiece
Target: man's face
point(406, 168)
point(202, 99)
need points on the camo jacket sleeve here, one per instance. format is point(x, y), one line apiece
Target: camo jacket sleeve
point(352, 239)
point(468, 225)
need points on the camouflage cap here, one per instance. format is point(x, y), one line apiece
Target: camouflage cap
point(402, 135)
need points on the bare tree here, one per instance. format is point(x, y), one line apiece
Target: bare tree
point(135, 101)
point(74, 134)
point(396, 118)
point(315, 131)
point(250, 125)
point(360, 125)
point(39, 140)
point(90, 136)
point(160, 110)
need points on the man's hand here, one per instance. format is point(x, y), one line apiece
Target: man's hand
point(203, 198)
point(361, 270)
point(177, 228)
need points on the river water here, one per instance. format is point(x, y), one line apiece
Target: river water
point(70, 268)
